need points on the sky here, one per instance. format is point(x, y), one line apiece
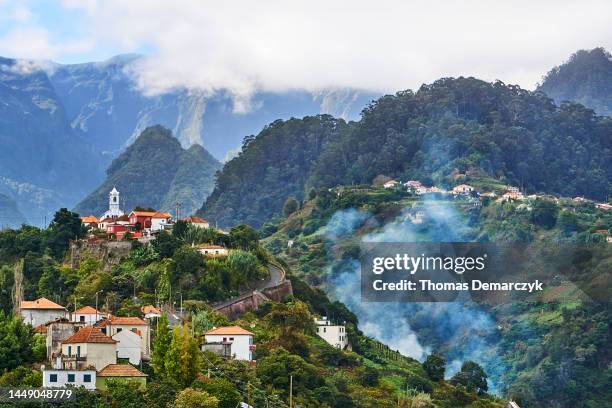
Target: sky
point(246, 46)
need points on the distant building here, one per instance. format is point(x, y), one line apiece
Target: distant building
point(197, 222)
point(59, 378)
point(41, 311)
point(212, 251)
point(142, 218)
point(604, 206)
point(88, 347)
point(335, 335)
point(240, 340)
point(463, 189)
point(412, 184)
point(87, 315)
point(390, 184)
point(150, 312)
point(90, 221)
point(161, 221)
point(124, 372)
point(114, 210)
point(114, 325)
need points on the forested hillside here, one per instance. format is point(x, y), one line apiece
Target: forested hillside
point(156, 172)
point(271, 167)
point(450, 128)
point(585, 78)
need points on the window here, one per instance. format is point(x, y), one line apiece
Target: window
point(71, 377)
point(87, 378)
point(52, 377)
point(78, 351)
point(119, 329)
point(325, 330)
point(81, 318)
point(69, 351)
point(231, 339)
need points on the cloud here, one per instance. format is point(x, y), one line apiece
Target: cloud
point(243, 46)
point(36, 43)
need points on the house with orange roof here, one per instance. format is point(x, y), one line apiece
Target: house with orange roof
point(114, 325)
point(464, 189)
point(41, 311)
point(90, 221)
point(161, 221)
point(197, 221)
point(87, 315)
point(212, 251)
point(123, 372)
point(240, 341)
point(88, 347)
point(150, 312)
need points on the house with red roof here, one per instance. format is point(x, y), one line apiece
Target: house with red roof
point(197, 222)
point(90, 221)
point(87, 315)
point(142, 218)
point(240, 341)
point(123, 372)
point(41, 311)
point(161, 221)
point(88, 347)
point(114, 325)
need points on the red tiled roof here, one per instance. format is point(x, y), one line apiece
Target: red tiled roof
point(235, 330)
point(89, 334)
point(124, 217)
point(144, 213)
point(128, 321)
point(87, 310)
point(89, 218)
point(42, 329)
point(162, 215)
point(196, 220)
point(120, 370)
point(41, 303)
point(149, 309)
point(210, 246)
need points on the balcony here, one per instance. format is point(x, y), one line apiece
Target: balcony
point(73, 357)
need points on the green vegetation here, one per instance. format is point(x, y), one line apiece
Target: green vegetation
point(586, 78)
point(155, 171)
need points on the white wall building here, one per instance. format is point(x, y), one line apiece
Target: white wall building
point(41, 311)
point(87, 315)
point(212, 251)
point(129, 346)
point(161, 221)
point(241, 341)
point(335, 335)
point(114, 325)
point(57, 378)
point(88, 347)
point(114, 211)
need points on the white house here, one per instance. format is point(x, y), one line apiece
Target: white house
point(161, 221)
point(87, 315)
point(212, 251)
point(390, 184)
point(463, 189)
point(603, 206)
point(412, 184)
point(114, 211)
point(150, 312)
point(129, 346)
point(197, 222)
point(58, 378)
point(335, 335)
point(41, 311)
point(114, 325)
point(241, 341)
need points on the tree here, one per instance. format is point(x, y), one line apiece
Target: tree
point(179, 229)
point(163, 338)
point(544, 213)
point(245, 265)
point(182, 361)
point(124, 394)
point(472, 377)
point(435, 365)
point(66, 226)
point(16, 342)
point(291, 206)
point(160, 394)
point(190, 398)
point(223, 390)
point(165, 244)
point(244, 237)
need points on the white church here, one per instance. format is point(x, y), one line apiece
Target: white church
point(114, 211)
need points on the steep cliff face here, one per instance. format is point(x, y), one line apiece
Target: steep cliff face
point(155, 171)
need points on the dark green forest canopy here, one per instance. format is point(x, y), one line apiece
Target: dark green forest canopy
point(461, 125)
